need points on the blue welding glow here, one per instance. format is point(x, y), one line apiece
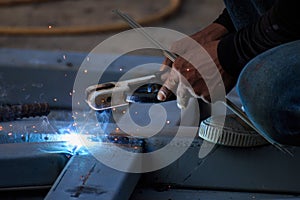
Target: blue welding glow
point(70, 135)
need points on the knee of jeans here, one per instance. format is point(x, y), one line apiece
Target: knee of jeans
point(269, 88)
point(276, 60)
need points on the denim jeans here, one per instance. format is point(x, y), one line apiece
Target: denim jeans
point(269, 85)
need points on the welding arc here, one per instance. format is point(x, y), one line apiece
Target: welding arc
point(75, 30)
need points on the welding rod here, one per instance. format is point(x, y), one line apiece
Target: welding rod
point(230, 105)
point(133, 24)
point(20, 111)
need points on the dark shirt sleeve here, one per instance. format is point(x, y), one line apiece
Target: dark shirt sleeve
point(225, 20)
point(279, 25)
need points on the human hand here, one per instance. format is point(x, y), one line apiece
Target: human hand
point(196, 72)
point(210, 33)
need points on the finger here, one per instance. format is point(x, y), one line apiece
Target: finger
point(206, 98)
point(163, 93)
point(169, 85)
point(183, 96)
point(165, 69)
point(167, 64)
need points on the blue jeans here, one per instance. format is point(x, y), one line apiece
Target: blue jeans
point(269, 85)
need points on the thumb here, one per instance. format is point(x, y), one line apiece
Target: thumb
point(169, 85)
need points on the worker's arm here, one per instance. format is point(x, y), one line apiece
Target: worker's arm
point(279, 25)
point(225, 20)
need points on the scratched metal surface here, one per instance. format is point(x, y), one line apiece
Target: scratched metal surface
point(84, 177)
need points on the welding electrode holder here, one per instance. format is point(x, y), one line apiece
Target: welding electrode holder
point(104, 98)
point(116, 94)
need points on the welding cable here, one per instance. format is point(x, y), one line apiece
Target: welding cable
point(172, 7)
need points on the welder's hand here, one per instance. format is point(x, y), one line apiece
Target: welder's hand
point(197, 72)
point(210, 33)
